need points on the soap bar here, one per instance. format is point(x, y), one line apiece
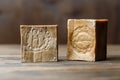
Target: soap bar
point(87, 39)
point(39, 43)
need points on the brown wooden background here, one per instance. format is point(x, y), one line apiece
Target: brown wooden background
point(16, 12)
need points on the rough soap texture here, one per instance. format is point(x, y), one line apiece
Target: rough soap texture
point(82, 39)
point(39, 43)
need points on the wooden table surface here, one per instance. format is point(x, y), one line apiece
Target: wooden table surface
point(12, 69)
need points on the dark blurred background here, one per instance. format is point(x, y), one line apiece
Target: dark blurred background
point(16, 12)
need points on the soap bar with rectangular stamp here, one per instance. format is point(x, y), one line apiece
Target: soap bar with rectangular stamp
point(87, 39)
point(39, 43)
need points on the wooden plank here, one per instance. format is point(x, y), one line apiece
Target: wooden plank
point(12, 68)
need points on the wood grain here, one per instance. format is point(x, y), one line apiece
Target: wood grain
point(12, 68)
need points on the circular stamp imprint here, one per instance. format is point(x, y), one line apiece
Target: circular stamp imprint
point(82, 39)
point(38, 39)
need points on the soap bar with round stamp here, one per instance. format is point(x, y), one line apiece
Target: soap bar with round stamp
point(87, 39)
point(39, 43)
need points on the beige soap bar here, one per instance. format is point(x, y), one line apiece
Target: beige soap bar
point(87, 39)
point(39, 43)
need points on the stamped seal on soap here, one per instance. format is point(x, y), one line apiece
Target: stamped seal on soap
point(82, 39)
point(38, 39)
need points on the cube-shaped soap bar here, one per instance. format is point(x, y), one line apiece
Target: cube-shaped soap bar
point(87, 39)
point(39, 43)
